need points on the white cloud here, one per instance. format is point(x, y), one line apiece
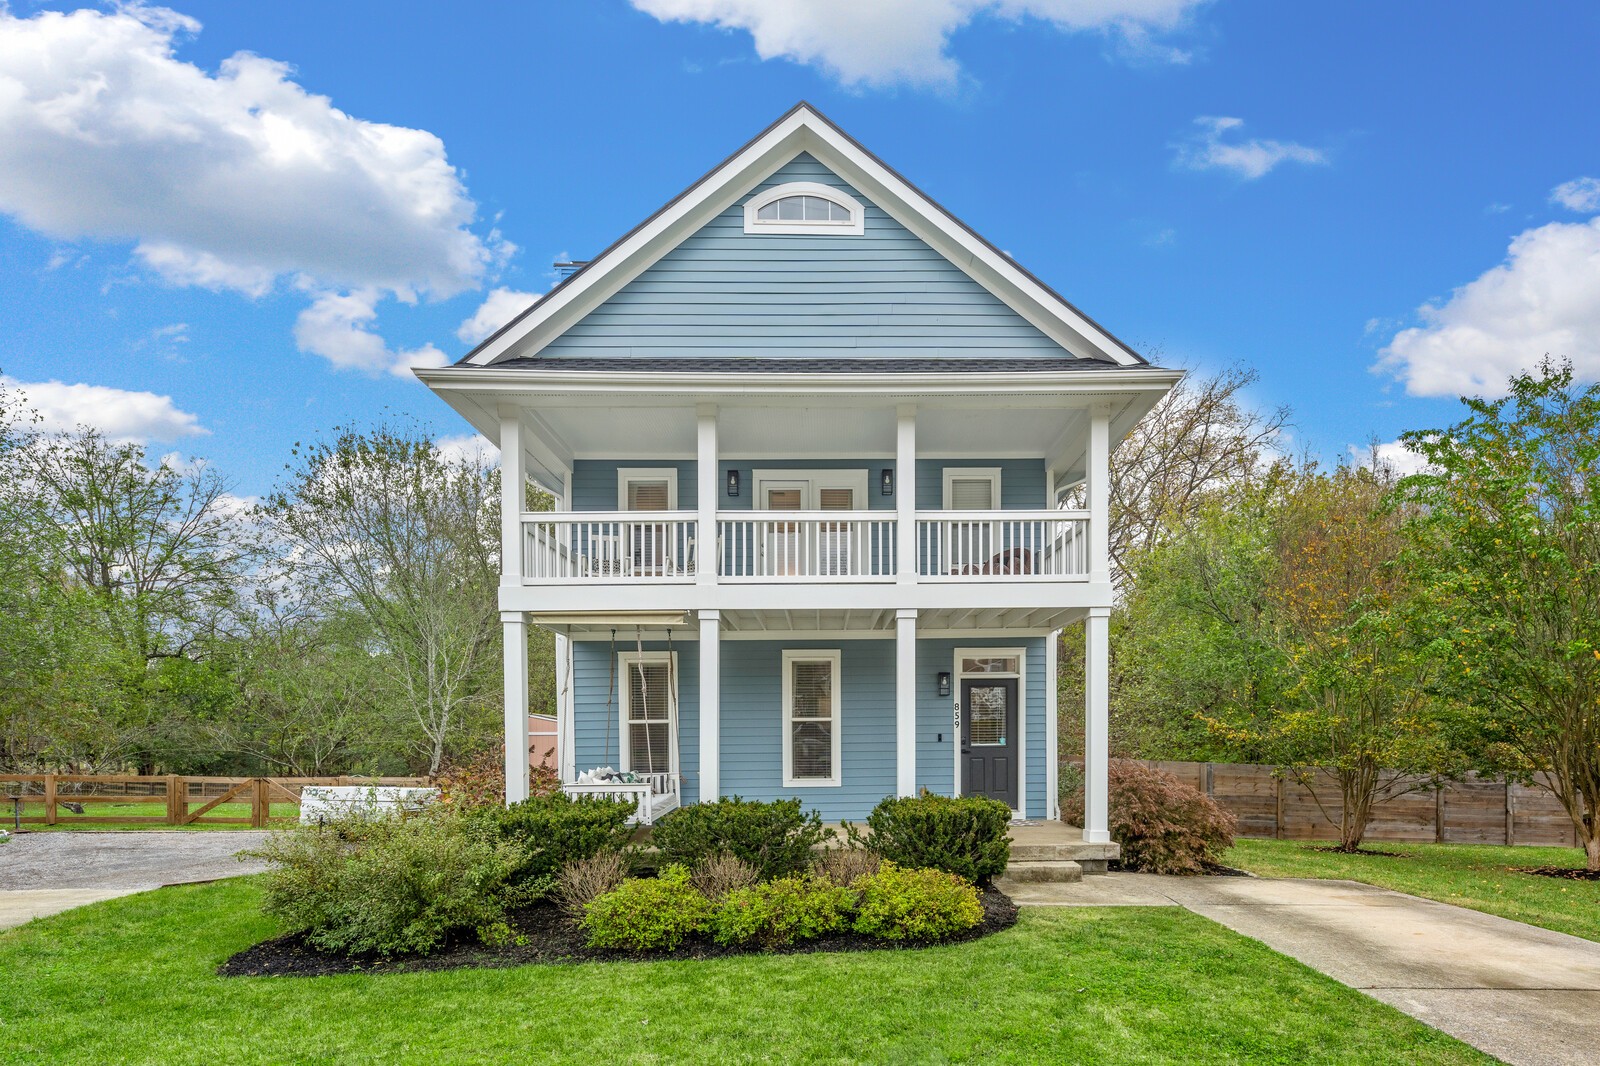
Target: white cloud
point(118, 413)
point(337, 327)
point(882, 43)
point(1388, 455)
point(469, 448)
point(1543, 300)
point(1579, 194)
point(498, 308)
point(1213, 149)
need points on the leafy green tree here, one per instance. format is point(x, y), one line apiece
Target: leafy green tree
point(1507, 529)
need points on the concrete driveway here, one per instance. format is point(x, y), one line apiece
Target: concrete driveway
point(44, 873)
point(1523, 994)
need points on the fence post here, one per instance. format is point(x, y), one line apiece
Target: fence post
point(1438, 813)
point(1210, 781)
point(1511, 811)
point(1277, 814)
point(173, 815)
point(259, 808)
point(49, 799)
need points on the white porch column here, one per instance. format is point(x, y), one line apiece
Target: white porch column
point(515, 630)
point(1098, 479)
point(905, 702)
point(566, 732)
point(513, 495)
point(710, 705)
point(905, 493)
point(707, 558)
point(1052, 723)
point(1097, 728)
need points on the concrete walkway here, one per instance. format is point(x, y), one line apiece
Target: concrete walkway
point(1523, 994)
point(45, 873)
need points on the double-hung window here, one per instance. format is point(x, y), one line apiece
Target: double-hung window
point(649, 712)
point(812, 725)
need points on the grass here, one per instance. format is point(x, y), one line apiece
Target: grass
point(285, 813)
point(1478, 876)
point(132, 981)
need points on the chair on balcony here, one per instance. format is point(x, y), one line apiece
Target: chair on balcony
point(1004, 563)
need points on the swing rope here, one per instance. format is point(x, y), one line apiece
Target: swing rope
point(611, 687)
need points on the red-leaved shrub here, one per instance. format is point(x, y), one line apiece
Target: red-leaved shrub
point(1163, 825)
point(481, 780)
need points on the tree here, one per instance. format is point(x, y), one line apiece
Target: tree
point(380, 523)
point(1507, 529)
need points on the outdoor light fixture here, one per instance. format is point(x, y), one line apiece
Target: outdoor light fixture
point(886, 482)
point(944, 682)
point(733, 483)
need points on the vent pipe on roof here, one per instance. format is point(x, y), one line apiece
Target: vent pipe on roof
point(565, 268)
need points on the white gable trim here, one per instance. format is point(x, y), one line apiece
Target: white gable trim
point(802, 130)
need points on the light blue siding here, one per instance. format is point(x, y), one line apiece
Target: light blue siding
point(1021, 482)
point(594, 482)
point(752, 719)
point(883, 294)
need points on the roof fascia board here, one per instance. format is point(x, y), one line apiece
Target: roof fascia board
point(802, 130)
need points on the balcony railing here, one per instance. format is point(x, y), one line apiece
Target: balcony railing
point(1003, 545)
point(624, 547)
point(608, 547)
point(807, 546)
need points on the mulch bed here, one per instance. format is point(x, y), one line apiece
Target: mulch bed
point(1567, 872)
point(547, 936)
point(1337, 850)
point(1209, 869)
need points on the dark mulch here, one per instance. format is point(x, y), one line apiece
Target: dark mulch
point(1337, 850)
point(1208, 869)
point(543, 935)
point(1568, 872)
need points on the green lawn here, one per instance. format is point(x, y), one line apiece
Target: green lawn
point(131, 980)
point(284, 813)
point(1469, 875)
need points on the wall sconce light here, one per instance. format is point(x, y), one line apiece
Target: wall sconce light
point(733, 483)
point(944, 682)
point(886, 482)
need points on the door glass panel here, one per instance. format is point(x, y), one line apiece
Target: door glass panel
point(987, 714)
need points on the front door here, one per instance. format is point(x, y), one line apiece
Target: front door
point(988, 738)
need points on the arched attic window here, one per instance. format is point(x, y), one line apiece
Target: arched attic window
point(803, 207)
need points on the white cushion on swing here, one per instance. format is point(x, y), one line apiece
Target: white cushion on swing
point(607, 775)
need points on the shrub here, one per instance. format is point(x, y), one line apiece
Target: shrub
point(386, 886)
point(548, 832)
point(843, 865)
point(647, 913)
point(723, 873)
point(776, 838)
point(1163, 825)
point(901, 904)
point(967, 836)
point(775, 913)
point(481, 780)
point(581, 880)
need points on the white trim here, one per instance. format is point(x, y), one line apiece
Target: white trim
point(1052, 740)
point(854, 227)
point(972, 473)
point(626, 659)
point(800, 655)
point(801, 130)
point(1021, 654)
point(856, 480)
point(626, 474)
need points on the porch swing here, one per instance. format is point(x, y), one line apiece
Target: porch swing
point(654, 792)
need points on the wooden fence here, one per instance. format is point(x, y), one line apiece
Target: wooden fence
point(68, 799)
point(1475, 810)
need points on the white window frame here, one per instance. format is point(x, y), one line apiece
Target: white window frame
point(625, 661)
point(832, 657)
point(856, 481)
point(971, 473)
point(1021, 655)
point(625, 474)
point(853, 228)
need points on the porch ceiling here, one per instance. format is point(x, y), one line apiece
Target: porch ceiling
point(786, 624)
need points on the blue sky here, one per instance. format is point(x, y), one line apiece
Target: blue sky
point(1375, 206)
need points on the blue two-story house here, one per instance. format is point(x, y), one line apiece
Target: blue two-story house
point(809, 437)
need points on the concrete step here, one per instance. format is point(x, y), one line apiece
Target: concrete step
point(1035, 871)
point(1075, 851)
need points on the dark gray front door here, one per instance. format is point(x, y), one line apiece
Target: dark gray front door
point(988, 738)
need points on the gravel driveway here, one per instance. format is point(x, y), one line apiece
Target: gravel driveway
point(128, 861)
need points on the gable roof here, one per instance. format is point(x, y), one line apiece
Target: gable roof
point(801, 130)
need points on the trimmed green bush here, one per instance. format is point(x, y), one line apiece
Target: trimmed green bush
point(776, 838)
point(776, 913)
point(647, 913)
point(967, 836)
point(548, 833)
point(1163, 825)
point(387, 886)
point(919, 905)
